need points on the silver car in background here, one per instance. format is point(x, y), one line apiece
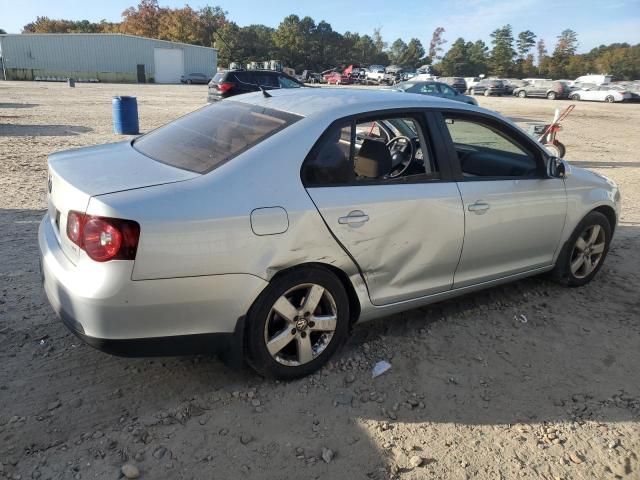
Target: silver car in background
point(264, 226)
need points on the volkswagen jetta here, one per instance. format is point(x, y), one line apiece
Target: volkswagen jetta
point(267, 225)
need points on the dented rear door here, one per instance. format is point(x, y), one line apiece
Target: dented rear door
point(406, 238)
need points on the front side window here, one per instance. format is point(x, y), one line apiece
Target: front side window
point(371, 150)
point(484, 150)
point(205, 139)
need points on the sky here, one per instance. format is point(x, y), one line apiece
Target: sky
point(597, 22)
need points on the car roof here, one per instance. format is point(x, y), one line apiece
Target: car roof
point(341, 102)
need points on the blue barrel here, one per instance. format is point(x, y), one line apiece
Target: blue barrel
point(125, 115)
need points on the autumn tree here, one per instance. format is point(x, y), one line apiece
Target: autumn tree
point(435, 46)
point(566, 47)
point(143, 20)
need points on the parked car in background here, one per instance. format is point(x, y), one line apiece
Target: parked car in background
point(236, 82)
point(457, 83)
point(337, 78)
point(471, 82)
point(434, 89)
point(594, 78)
point(190, 78)
point(553, 90)
point(392, 77)
point(309, 76)
point(510, 84)
point(488, 87)
point(408, 74)
point(375, 73)
point(185, 240)
point(602, 93)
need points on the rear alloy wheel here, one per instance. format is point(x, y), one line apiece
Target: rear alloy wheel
point(585, 251)
point(575, 97)
point(522, 94)
point(486, 93)
point(551, 95)
point(609, 99)
point(297, 323)
point(189, 82)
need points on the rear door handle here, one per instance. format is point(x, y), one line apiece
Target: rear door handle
point(355, 218)
point(480, 208)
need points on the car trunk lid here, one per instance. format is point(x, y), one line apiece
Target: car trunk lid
point(77, 175)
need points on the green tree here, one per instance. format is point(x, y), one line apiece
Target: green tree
point(456, 61)
point(413, 55)
point(525, 42)
point(397, 51)
point(478, 58)
point(2, 31)
point(290, 42)
point(502, 53)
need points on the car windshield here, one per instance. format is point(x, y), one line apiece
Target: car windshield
point(205, 139)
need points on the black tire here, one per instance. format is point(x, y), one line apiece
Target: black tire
point(258, 356)
point(551, 95)
point(522, 94)
point(562, 271)
point(609, 99)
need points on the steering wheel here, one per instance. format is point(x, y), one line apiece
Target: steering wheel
point(397, 149)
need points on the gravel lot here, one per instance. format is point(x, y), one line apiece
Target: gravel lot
point(527, 380)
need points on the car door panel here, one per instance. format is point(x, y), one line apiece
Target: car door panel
point(514, 213)
point(410, 243)
point(511, 226)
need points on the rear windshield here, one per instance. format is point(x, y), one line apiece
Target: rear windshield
point(218, 77)
point(209, 137)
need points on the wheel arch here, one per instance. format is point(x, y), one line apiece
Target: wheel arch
point(608, 212)
point(354, 302)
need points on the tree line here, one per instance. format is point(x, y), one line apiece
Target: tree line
point(301, 43)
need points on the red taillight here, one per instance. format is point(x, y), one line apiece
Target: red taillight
point(104, 238)
point(225, 87)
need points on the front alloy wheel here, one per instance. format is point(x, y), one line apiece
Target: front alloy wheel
point(297, 323)
point(587, 251)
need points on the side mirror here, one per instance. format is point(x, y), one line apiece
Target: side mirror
point(558, 168)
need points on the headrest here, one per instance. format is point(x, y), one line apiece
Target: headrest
point(373, 160)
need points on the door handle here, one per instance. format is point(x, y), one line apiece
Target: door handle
point(355, 218)
point(479, 208)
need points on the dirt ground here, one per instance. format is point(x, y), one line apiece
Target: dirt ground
point(527, 380)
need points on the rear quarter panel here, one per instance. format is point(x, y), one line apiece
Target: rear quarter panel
point(202, 226)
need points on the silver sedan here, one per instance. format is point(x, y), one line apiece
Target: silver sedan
point(265, 226)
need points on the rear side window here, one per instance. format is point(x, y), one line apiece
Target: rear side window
point(205, 139)
point(218, 77)
point(242, 77)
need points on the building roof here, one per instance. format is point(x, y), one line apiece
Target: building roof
point(24, 35)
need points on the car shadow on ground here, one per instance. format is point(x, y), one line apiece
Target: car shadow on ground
point(19, 130)
point(528, 352)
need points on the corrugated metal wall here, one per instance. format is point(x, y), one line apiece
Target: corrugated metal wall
point(107, 57)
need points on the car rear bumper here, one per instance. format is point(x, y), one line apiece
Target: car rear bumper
point(101, 304)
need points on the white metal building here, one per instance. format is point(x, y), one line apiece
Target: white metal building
point(105, 57)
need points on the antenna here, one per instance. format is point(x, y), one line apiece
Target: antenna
point(264, 92)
